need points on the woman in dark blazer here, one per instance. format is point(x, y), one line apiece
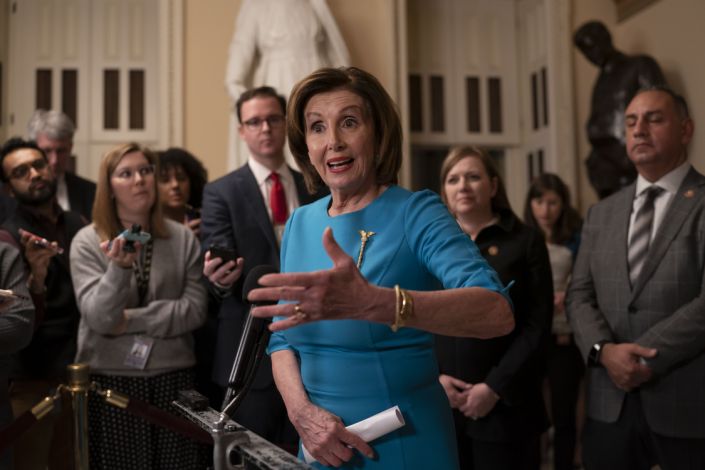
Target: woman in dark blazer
point(494, 386)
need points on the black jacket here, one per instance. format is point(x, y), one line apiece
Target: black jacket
point(53, 345)
point(81, 194)
point(511, 365)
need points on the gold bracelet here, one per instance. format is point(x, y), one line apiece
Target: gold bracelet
point(407, 312)
point(404, 308)
point(397, 297)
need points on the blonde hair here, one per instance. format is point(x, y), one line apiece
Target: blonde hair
point(105, 216)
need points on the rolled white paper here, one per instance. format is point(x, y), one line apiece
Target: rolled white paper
point(371, 428)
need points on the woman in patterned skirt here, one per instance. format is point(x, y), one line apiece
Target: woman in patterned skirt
point(139, 303)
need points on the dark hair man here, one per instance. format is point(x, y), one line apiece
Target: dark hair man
point(43, 232)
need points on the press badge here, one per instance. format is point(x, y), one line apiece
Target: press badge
point(139, 353)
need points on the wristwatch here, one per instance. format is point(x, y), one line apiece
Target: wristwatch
point(594, 354)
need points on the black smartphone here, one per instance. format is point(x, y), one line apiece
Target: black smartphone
point(192, 213)
point(223, 252)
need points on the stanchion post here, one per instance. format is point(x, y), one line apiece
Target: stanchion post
point(79, 385)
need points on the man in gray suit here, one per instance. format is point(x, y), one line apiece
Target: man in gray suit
point(53, 131)
point(637, 301)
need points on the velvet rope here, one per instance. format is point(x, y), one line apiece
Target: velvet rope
point(166, 420)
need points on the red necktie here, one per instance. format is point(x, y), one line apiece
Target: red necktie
point(277, 200)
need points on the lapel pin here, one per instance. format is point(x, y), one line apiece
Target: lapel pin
point(493, 250)
point(689, 193)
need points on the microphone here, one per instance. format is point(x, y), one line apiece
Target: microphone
point(253, 342)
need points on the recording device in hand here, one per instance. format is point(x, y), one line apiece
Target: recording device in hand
point(226, 254)
point(192, 213)
point(130, 238)
point(43, 242)
point(8, 297)
point(254, 339)
point(132, 235)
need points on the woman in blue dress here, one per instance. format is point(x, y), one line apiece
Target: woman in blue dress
point(371, 272)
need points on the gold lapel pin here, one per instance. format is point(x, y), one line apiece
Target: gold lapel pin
point(493, 250)
point(689, 193)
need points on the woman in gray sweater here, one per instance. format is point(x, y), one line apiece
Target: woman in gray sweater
point(139, 303)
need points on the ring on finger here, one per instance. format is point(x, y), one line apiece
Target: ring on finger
point(299, 313)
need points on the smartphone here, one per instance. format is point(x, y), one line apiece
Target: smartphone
point(222, 252)
point(44, 243)
point(192, 213)
point(7, 294)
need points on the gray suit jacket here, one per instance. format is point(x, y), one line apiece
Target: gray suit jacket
point(665, 309)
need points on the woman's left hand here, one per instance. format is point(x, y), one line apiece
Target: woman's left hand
point(338, 293)
point(325, 437)
point(479, 401)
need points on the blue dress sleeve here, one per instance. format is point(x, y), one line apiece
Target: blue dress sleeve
point(446, 251)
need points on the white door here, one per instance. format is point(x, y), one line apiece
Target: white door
point(102, 62)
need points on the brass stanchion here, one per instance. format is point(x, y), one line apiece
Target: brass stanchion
point(79, 385)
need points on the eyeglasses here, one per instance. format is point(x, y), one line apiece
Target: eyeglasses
point(23, 171)
point(255, 124)
point(126, 174)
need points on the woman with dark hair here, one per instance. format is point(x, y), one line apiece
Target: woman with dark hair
point(548, 209)
point(494, 385)
point(181, 180)
point(368, 274)
point(139, 303)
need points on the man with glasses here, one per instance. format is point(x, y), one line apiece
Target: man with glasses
point(53, 131)
point(246, 210)
point(43, 231)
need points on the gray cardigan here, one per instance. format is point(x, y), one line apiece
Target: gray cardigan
point(175, 304)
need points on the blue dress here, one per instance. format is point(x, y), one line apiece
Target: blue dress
point(355, 369)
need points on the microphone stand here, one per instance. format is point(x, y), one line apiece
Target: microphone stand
point(237, 389)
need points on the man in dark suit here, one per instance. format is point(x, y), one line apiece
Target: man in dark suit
point(53, 131)
point(244, 210)
point(637, 301)
point(43, 232)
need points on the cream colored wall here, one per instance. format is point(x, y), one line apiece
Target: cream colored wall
point(671, 32)
point(367, 27)
point(207, 32)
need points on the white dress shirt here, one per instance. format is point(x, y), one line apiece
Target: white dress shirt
point(62, 193)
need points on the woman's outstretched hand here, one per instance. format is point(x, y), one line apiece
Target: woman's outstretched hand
point(325, 437)
point(334, 294)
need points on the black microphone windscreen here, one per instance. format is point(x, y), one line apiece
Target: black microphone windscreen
point(252, 281)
